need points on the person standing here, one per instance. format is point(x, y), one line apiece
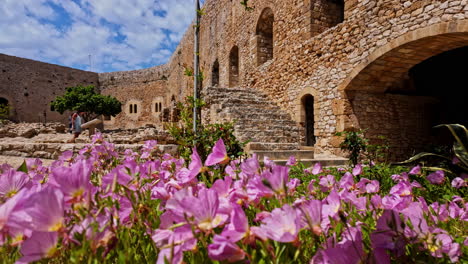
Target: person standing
point(77, 121)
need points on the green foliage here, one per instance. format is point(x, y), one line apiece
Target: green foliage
point(457, 164)
point(84, 98)
point(206, 135)
point(245, 3)
point(379, 151)
point(355, 143)
point(4, 111)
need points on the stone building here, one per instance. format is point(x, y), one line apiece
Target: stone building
point(293, 73)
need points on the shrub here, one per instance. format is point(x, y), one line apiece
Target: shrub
point(206, 135)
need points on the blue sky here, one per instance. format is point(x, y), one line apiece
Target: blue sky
point(118, 34)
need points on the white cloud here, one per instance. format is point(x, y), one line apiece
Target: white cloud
point(119, 34)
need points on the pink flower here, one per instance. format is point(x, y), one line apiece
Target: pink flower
point(373, 186)
point(224, 249)
point(187, 175)
point(436, 177)
point(238, 228)
point(291, 161)
point(317, 169)
point(403, 188)
point(311, 212)
point(415, 170)
point(458, 183)
point(45, 209)
point(74, 182)
point(357, 170)
point(326, 182)
point(282, 224)
point(332, 206)
point(40, 245)
point(204, 209)
point(346, 181)
point(277, 179)
point(11, 182)
point(173, 244)
point(218, 154)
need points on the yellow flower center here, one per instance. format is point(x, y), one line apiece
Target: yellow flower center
point(56, 227)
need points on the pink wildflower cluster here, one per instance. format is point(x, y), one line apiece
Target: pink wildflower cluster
point(239, 208)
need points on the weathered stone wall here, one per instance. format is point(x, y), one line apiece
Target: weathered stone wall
point(320, 48)
point(139, 91)
point(30, 86)
point(325, 64)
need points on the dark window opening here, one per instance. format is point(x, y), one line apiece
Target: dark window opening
point(234, 67)
point(131, 109)
point(264, 34)
point(308, 105)
point(215, 74)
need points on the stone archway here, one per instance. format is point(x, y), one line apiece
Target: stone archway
point(384, 96)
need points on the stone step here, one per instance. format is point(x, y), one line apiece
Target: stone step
point(283, 154)
point(338, 162)
point(251, 146)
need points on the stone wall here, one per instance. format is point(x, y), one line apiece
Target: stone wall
point(326, 64)
point(141, 92)
point(30, 86)
point(324, 48)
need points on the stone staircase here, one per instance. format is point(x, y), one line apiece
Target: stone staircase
point(271, 131)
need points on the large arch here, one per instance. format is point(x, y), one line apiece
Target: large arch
point(264, 33)
point(381, 94)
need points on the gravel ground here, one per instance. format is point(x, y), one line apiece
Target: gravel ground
point(17, 161)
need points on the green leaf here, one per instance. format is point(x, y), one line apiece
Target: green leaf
point(459, 132)
point(419, 156)
point(461, 153)
point(23, 167)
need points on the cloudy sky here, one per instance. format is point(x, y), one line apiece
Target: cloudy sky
point(118, 34)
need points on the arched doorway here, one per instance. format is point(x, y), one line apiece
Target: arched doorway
point(409, 85)
point(309, 122)
point(264, 34)
point(4, 108)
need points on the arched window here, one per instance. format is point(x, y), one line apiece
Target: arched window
point(215, 74)
point(326, 14)
point(308, 106)
point(156, 107)
point(130, 109)
point(160, 107)
point(135, 109)
point(234, 67)
point(264, 34)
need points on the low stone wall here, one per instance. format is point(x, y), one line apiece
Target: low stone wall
point(54, 150)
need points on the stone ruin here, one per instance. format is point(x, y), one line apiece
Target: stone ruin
point(292, 74)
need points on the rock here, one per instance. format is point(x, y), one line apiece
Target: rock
point(29, 133)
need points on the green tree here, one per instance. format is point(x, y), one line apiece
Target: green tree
point(84, 98)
